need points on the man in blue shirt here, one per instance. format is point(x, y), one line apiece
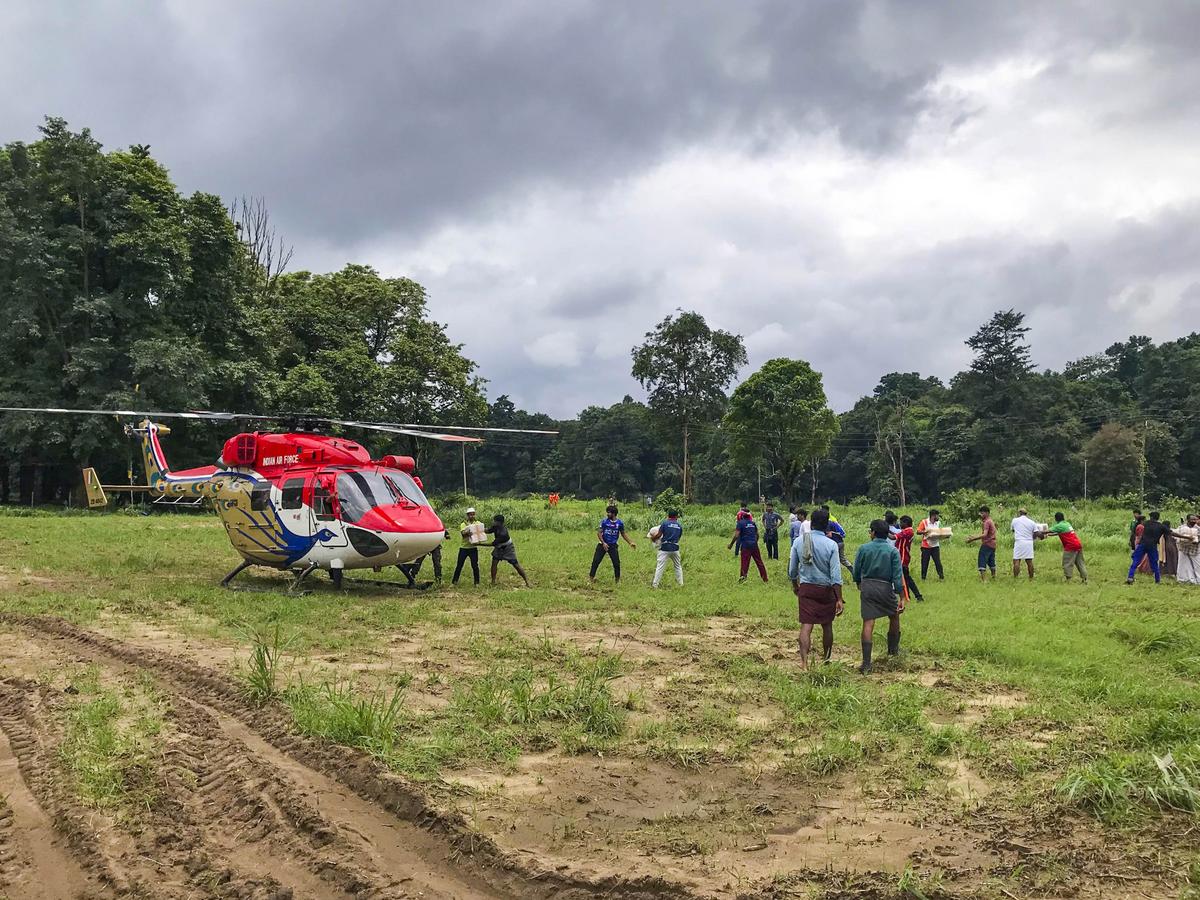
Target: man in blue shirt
point(610, 531)
point(745, 535)
point(669, 533)
point(816, 575)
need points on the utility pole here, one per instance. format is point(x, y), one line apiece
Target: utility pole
point(1142, 488)
point(1085, 478)
point(464, 461)
point(686, 496)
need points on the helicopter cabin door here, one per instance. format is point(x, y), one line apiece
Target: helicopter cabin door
point(325, 512)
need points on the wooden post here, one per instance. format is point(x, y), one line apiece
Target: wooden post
point(464, 467)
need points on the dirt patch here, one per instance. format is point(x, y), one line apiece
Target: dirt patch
point(309, 835)
point(713, 827)
point(13, 578)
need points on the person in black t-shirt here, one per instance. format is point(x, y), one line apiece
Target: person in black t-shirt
point(771, 522)
point(503, 548)
point(1153, 531)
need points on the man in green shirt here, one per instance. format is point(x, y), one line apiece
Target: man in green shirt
point(880, 581)
point(1071, 546)
point(467, 550)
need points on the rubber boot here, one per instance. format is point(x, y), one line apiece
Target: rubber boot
point(865, 668)
point(893, 644)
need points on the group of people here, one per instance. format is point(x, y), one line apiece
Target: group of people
point(1159, 549)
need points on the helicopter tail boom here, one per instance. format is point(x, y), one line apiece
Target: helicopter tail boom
point(159, 477)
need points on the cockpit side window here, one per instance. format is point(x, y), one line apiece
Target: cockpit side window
point(323, 503)
point(260, 497)
point(293, 493)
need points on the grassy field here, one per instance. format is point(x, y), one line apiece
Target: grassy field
point(1034, 738)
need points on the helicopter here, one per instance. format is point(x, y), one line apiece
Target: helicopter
point(297, 500)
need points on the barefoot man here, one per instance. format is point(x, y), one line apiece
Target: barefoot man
point(816, 574)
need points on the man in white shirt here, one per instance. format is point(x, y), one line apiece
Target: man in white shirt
point(1025, 531)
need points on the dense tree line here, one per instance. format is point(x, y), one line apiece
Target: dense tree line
point(119, 292)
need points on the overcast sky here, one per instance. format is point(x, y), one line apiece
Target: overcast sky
point(859, 184)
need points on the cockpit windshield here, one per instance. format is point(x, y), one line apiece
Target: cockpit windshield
point(359, 492)
point(403, 483)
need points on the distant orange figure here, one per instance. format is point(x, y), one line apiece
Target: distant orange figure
point(553, 498)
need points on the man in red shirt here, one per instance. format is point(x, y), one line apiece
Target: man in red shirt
point(1072, 548)
point(904, 539)
point(987, 543)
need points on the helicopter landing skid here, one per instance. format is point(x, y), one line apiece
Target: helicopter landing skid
point(245, 588)
point(390, 585)
point(300, 576)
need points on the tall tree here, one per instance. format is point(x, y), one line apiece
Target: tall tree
point(1001, 349)
point(780, 414)
point(685, 367)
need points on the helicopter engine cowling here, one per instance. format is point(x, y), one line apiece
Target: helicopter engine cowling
point(240, 450)
point(403, 463)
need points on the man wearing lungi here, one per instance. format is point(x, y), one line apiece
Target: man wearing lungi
point(816, 575)
point(878, 574)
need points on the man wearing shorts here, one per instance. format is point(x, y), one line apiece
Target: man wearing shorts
point(1025, 532)
point(503, 549)
point(610, 531)
point(878, 575)
point(987, 543)
point(816, 575)
point(1071, 546)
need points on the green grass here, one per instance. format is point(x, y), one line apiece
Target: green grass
point(1100, 678)
point(110, 747)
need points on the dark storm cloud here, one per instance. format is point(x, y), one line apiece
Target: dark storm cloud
point(351, 118)
point(460, 142)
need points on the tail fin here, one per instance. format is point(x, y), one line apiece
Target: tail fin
point(155, 461)
point(94, 490)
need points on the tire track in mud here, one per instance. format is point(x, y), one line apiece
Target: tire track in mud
point(33, 861)
point(329, 810)
point(107, 864)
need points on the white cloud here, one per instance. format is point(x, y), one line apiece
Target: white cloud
point(556, 350)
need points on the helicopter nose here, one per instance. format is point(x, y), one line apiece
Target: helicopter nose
point(410, 545)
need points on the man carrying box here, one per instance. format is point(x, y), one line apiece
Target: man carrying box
point(472, 535)
point(930, 530)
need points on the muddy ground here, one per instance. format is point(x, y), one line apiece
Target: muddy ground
point(243, 806)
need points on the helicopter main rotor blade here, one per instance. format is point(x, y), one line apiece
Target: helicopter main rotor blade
point(197, 414)
point(409, 429)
